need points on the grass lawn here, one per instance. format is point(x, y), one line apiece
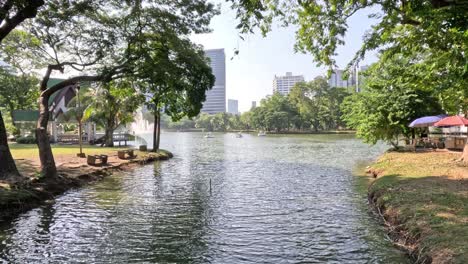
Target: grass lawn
point(30, 151)
point(427, 194)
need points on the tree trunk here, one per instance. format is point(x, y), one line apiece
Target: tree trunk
point(157, 131)
point(7, 165)
point(464, 156)
point(109, 137)
point(48, 169)
point(80, 139)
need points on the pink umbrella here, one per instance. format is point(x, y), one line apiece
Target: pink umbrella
point(452, 121)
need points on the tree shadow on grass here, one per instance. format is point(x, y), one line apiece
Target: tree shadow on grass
point(27, 168)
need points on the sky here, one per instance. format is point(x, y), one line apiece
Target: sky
point(249, 75)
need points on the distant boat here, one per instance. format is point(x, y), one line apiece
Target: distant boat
point(239, 135)
point(261, 134)
point(209, 135)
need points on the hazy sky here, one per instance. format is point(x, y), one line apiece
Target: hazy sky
point(249, 76)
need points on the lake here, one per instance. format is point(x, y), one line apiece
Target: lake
point(274, 199)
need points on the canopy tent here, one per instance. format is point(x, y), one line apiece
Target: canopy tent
point(426, 121)
point(452, 121)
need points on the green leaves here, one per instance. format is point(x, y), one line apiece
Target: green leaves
point(174, 74)
point(401, 25)
point(389, 103)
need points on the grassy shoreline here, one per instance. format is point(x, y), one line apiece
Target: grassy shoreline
point(21, 196)
point(423, 199)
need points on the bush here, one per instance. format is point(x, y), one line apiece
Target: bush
point(26, 140)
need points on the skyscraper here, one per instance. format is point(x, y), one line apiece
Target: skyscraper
point(284, 84)
point(233, 106)
point(254, 104)
point(216, 97)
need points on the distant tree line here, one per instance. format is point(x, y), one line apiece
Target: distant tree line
point(310, 106)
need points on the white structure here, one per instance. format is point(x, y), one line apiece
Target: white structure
point(233, 106)
point(336, 79)
point(216, 97)
point(354, 80)
point(284, 84)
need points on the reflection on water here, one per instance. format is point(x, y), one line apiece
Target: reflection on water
point(276, 199)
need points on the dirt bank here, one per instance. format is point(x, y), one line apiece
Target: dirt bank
point(423, 200)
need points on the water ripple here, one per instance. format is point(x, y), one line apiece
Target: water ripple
point(272, 200)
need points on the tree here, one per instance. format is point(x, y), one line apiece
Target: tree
point(175, 75)
point(246, 119)
point(96, 40)
point(12, 14)
point(235, 122)
point(388, 105)
point(76, 109)
point(18, 92)
point(220, 121)
point(205, 121)
point(314, 102)
point(277, 120)
point(113, 105)
point(324, 24)
point(435, 29)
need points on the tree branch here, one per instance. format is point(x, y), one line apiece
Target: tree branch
point(28, 11)
point(71, 81)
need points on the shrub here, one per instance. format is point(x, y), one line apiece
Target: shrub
point(26, 140)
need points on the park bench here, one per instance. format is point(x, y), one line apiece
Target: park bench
point(122, 153)
point(93, 158)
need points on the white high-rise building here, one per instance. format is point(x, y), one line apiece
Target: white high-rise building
point(284, 84)
point(233, 106)
point(216, 97)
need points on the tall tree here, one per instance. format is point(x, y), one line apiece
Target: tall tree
point(313, 101)
point(18, 92)
point(12, 14)
point(113, 105)
point(97, 39)
point(175, 75)
point(76, 109)
point(388, 105)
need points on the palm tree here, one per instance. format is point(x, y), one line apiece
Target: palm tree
point(112, 105)
point(76, 109)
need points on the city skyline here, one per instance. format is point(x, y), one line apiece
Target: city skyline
point(249, 74)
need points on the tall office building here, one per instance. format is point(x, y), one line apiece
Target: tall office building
point(284, 84)
point(216, 97)
point(254, 104)
point(233, 106)
point(336, 79)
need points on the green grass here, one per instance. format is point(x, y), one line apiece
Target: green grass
point(428, 194)
point(30, 151)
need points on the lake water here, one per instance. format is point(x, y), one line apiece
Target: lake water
point(274, 199)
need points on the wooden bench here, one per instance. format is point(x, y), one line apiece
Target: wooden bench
point(93, 158)
point(122, 153)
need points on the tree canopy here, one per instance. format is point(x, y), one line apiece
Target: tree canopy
point(388, 105)
point(401, 24)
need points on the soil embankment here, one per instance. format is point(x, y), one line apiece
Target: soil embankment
point(423, 199)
